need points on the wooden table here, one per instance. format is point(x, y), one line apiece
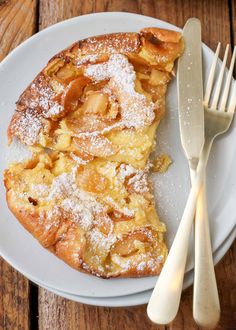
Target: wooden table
point(23, 305)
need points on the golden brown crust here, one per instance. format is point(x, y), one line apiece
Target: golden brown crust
point(122, 43)
point(40, 101)
point(98, 250)
point(58, 234)
point(31, 109)
point(162, 34)
point(97, 105)
point(68, 242)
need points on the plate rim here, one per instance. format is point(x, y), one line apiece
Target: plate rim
point(144, 296)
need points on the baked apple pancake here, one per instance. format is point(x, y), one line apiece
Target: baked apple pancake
point(90, 118)
point(99, 217)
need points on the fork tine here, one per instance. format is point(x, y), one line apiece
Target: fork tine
point(232, 102)
point(228, 82)
point(211, 76)
point(220, 79)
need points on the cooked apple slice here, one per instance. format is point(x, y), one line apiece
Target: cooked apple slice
point(104, 224)
point(86, 124)
point(90, 180)
point(159, 77)
point(117, 216)
point(81, 157)
point(127, 245)
point(113, 111)
point(67, 73)
point(96, 145)
point(95, 103)
point(70, 98)
point(160, 35)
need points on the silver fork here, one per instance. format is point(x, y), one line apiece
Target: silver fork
point(164, 302)
point(218, 117)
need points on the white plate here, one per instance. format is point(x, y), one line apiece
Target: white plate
point(143, 297)
point(21, 250)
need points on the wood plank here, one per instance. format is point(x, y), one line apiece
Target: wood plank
point(17, 23)
point(233, 12)
point(14, 299)
point(233, 30)
point(58, 313)
point(226, 278)
point(51, 12)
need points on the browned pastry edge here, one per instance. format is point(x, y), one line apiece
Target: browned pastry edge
point(63, 238)
point(31, 105)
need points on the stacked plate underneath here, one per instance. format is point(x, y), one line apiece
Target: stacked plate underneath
point(171, 188)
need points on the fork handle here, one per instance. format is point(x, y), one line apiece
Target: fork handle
point(164, 302)
point(206, 306)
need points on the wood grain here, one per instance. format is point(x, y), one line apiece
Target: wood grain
point(58, 313)
point(226, 278)
point(233, 12)
point(14, 302)
point(233, 31)
point(17, 23)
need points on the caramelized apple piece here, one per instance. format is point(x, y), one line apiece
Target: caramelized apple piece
point(96, 145)
point(157, 92)
point(113, 111)
point(161, 163)
point(126, 246)
point(73, 93)
point(161, 35)
point(96, 103)
point(79, 155)
point(140, 90)
point(86, 124)
point(67, 73)
point(90, 180)
point(139, 63)
point(104, 224)
point(117, 216)
point(94, 87)
point(159, 77)
point(54, 66)
point(160, 52)
point(63, 142)
point(142, 76)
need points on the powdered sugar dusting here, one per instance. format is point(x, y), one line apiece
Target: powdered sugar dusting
point(91, 58)
point(43, 97)
point(56, 109)
point(40, 190)
point(142, 263)
point(81, 213)
point(78, 205)
point(136, 110)
point(63, 186)
point(27, 127)
point(104, 241)
point(139, 182)
point(35, 105)
point(125, 210)
point(113, 43)
point(136, 179)
point(78, 160)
